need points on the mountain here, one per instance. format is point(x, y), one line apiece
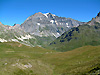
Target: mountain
point(86, 34)
point(15, 34)
point(96, 19)
point(77, 37)
point(48, 24)
point(38, 29)
point(18, 59)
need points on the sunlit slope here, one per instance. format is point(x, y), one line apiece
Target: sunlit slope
point(18, 59)
point(84, 60)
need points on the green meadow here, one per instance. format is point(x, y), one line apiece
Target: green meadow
point(18, 59)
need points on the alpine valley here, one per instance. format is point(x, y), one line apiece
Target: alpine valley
point(46, 44)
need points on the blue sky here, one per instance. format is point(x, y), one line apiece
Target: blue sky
point(17, 11)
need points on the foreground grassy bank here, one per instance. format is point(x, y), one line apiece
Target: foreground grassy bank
point(18, 59)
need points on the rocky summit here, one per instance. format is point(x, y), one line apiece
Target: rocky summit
point(48, 24)
point(37, 30)
point(96, 19)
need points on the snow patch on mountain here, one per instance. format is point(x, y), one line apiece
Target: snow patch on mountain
point(19, 38)
point(56, 22)
point(60, 23)
point(24, 37)
point(40, 18)
point(66, 23)
point(52, 21)
point(15, 40)
point(46, 14)
point(3, 40)
point(56, 35)
point(38, 23)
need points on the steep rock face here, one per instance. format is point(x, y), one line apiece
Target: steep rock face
point(96, 19)
point(48, 24)
point(98, 14)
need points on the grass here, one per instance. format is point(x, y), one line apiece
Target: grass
point(78, 61)
point(82, 35)
point(11, 53)
point(18, 59)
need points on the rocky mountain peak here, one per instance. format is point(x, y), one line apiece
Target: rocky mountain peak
point(96, 19)
point(16, 25)
point(39, 13)
point(48, 24)
point(98, 15)
point(0, 23)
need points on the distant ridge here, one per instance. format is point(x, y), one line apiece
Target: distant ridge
point(86, 34)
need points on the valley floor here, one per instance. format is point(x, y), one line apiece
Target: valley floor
point(18, 59)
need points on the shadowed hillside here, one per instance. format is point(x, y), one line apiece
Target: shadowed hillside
point(77, 37)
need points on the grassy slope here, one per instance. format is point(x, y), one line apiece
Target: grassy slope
point(13, 53)
point(77, 37)
point(76, 62)
point(47, 62)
